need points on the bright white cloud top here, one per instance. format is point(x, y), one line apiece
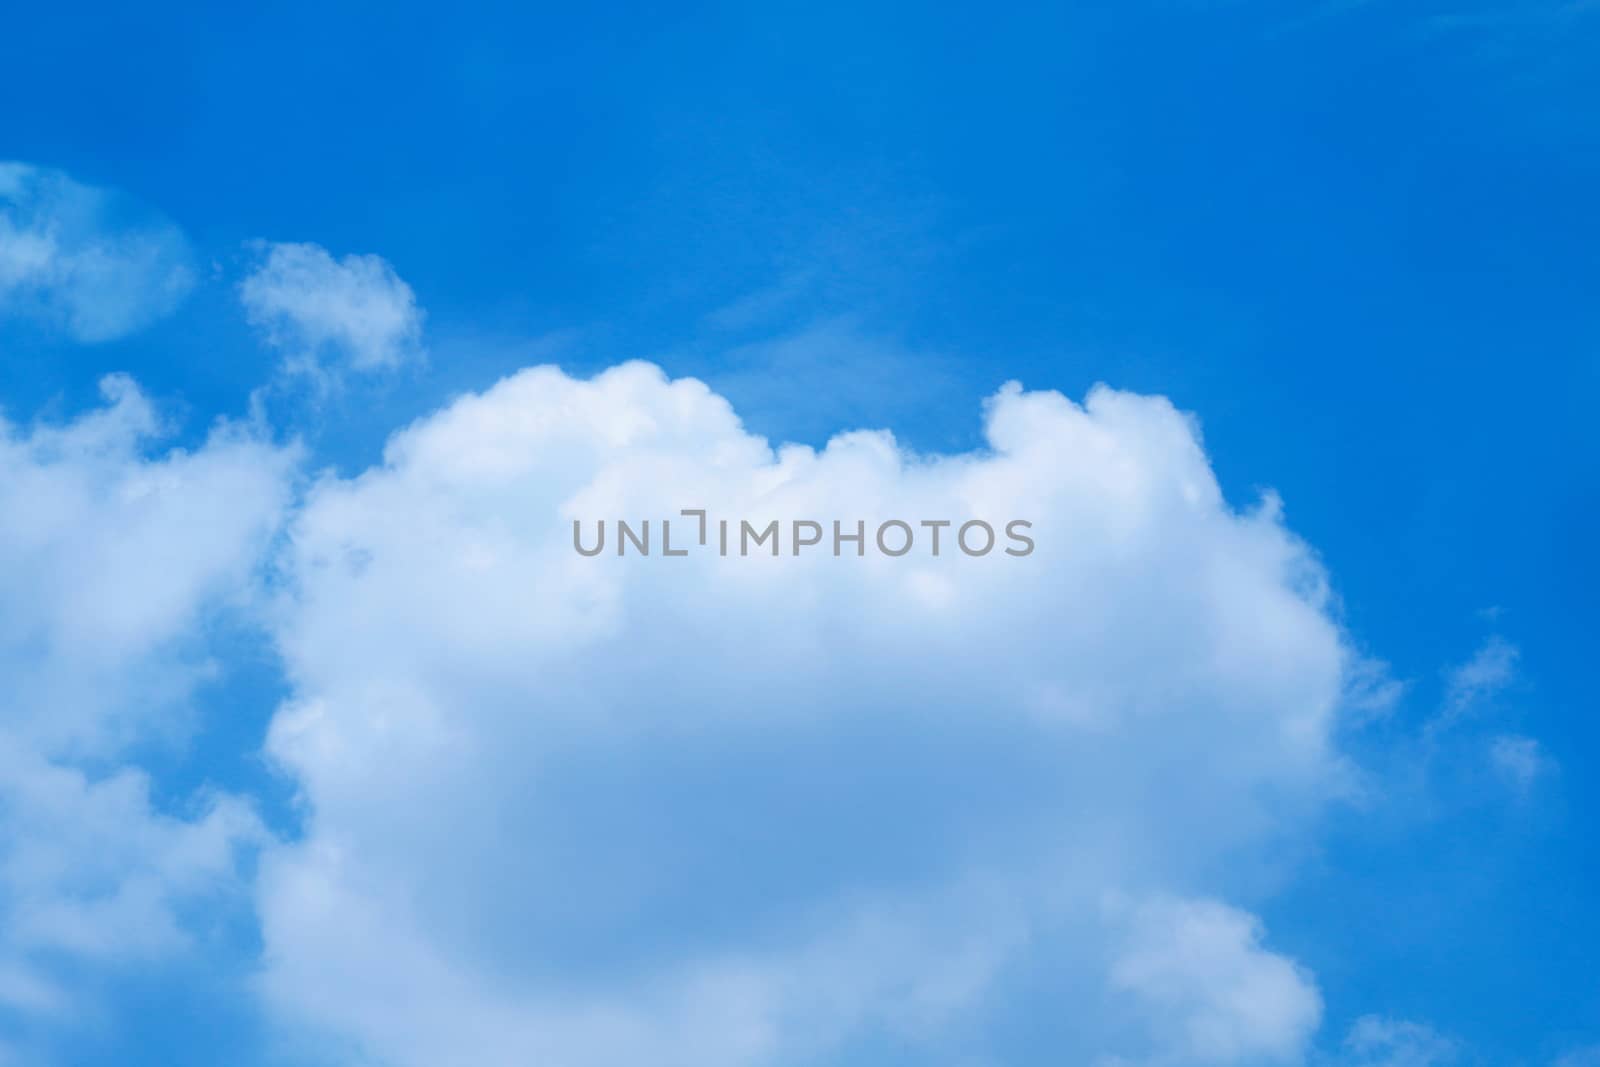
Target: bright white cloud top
point(85, 260)
point(764, 811)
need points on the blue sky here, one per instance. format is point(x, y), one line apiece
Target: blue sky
point(1356, 240)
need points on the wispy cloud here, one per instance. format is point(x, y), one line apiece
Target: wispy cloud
point(1476, 684)
point(850, 376)
point(1376, 1041)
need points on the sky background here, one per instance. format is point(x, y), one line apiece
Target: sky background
point(1357, 240)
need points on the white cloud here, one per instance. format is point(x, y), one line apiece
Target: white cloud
point(112, 559)
point(1212, 993)
point(108, 556)
point(91, 869)
point(1376, 1041)
point(85, 259)
point(328, 314)
point(743, 811)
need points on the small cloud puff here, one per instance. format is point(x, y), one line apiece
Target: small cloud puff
point(84, 260)
point(329, 314)
point(1519, 760)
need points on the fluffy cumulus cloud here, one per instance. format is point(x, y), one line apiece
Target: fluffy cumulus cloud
point(113, 554)
point(775, 810)
point(85, 260)
point(109, 551)
point(328, 315)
